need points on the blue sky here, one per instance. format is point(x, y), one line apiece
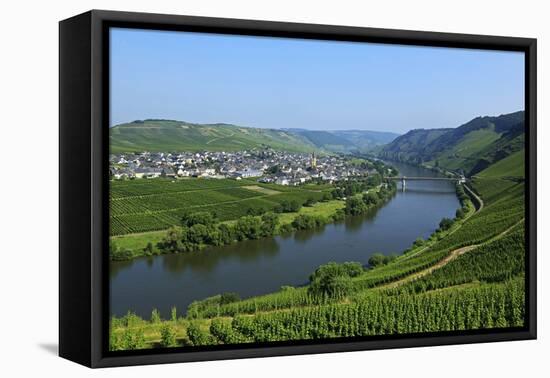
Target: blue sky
point(320, 85)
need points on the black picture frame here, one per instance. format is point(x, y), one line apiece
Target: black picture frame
point(83, 180)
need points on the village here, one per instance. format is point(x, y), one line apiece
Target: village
point(267, 166)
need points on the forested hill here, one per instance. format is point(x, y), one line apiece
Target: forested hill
point(470, 148)
point(169, 135)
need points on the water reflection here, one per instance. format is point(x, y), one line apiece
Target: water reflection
point(206, 261)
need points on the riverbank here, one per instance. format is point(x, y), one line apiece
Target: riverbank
point(256, 267)
point(309, 216)
point(440, 277)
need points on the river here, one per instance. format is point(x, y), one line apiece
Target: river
point(257, 267)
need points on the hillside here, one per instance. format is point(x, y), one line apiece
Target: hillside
point(169, 135)
point(469, 148)
point(346, 141)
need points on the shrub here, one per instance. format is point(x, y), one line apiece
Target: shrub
point(445, 224)
point(226, 298)
point(168, 336)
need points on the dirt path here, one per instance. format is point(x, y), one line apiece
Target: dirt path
point(478, 209)
point(450, 257)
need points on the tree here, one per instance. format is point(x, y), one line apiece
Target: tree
point(229, 298)
point(149, 249)
point(274, 169)
point(309, 202)
point(445, 224)
point(172, 241)
point(334, 280)
point(355, 206)
point(203, 217)
point(418, 242)
point(269, 224)
point(306, 222)
point(197, 234)
point(377, 259)
point(227, 233)
point(119, 254)
point(326, 197)
point(370, 199)
point(248, 227)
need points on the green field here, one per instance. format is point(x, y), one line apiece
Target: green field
point(470, 276)
point(144, 205)
point(511, 166)
point(168, 135)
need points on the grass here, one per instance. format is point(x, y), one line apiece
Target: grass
point(322, 209)
point(511, 166)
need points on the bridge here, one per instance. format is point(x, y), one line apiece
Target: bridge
point(414, 178)
point(404, 179)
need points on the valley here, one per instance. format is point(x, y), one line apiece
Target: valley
point(358, 257)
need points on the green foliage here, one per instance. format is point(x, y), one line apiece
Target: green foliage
point(355, 206)
point(155, 316)
point(334, 280)
point(445, 224)
point(198, 336)
point(286, 228)
point(133, 338)
point(119, 254)
point(168, 336)
point(248, 227)
point(378, 259)
point(269, 224)
point(228, 297)
point(487, 306)
point(204, 218)
point(307, 222)
point(149, 250)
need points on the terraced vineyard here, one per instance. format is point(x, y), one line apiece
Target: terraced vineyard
point(156, 204)
point(480, 288)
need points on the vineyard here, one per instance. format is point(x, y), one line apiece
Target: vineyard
point(156, 204)
point(482, 288)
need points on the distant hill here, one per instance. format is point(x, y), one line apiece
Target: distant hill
point(170, 135)
point(346, 141)
point(469, 148)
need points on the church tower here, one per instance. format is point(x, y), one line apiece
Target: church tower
point(313, 161)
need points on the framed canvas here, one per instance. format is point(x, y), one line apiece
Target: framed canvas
point(236, 188)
